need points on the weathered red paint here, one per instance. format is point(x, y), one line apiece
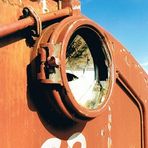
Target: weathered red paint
point(30, 114)
point(7, 29)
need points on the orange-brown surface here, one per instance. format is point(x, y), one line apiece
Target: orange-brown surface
point(27, 119)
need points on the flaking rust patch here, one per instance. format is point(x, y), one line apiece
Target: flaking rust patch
point(44, 6)
point(109, 141)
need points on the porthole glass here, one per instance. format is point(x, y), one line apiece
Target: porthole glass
point(82, 74)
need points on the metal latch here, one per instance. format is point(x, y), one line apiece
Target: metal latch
point(49, 63)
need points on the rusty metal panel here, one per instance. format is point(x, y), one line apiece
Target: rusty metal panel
point(37, 115)
point(127, 130)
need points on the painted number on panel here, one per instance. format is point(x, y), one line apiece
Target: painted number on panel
point(56, 143)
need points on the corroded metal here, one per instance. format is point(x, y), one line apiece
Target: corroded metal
point(38, 107)
point(7, 29)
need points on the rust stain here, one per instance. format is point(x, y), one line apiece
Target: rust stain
point(39, 110)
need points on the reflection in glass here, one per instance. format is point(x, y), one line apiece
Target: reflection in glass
point(80, 69)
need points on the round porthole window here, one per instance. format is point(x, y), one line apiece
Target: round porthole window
point(82, 72)
point(77, 59)
point(86, 70)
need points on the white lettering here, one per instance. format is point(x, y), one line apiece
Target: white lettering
point(56, 143)
point(52, 143)
point(77, 137)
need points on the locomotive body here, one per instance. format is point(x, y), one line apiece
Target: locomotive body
point(39, 97)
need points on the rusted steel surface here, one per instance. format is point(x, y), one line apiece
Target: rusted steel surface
point(7, 29)
point(40, 110)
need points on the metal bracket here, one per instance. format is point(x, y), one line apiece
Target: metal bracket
point(49, 64)
point(29, 11)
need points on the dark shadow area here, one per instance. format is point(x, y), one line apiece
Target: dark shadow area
point(95, 43)
point(28, 33)
point(17, 36)
point(41, 100)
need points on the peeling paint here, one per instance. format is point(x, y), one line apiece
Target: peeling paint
point(102, 132)
point(76, 7)
point(109, 142)
point(109, 125)
point(122, 50)
point(127, 61)
point(110, 118)
point(44, 6)
point(109, 108)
